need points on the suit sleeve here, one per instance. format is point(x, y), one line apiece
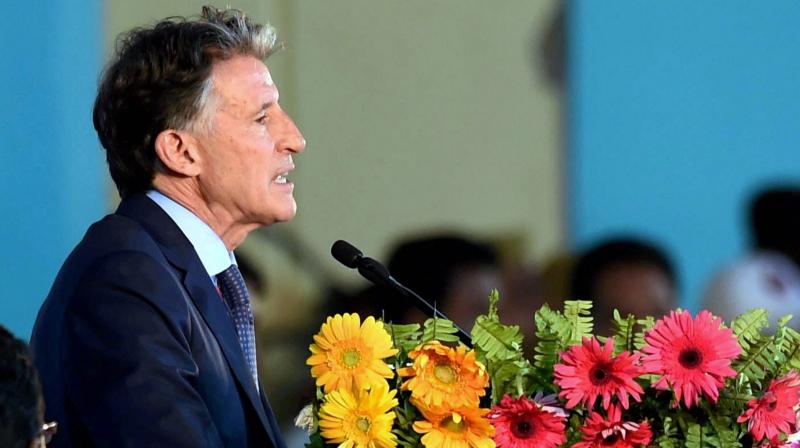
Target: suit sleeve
point(129, 368)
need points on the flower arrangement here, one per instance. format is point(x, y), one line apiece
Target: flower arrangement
point(680, 380)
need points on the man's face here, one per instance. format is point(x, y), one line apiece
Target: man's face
point(246, 146)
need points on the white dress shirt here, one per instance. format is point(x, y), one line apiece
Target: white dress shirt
point(208, 245)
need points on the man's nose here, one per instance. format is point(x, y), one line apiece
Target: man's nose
point(292, 139)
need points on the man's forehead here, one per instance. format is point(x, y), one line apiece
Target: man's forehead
point(242, 80)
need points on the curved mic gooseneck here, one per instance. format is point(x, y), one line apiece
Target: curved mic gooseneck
point(371, 269)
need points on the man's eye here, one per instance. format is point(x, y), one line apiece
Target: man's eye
point(262, 118)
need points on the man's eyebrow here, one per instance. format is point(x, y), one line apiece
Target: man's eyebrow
point(266, 104)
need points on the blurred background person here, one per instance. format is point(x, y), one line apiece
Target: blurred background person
point(452, 272)
point(769, 276)
point(631, 275)
point(21, 404)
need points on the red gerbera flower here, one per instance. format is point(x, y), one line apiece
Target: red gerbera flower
point(523, 423)
point(589, 371)
point(613, 432)
point(693, 356)
point(773, 413)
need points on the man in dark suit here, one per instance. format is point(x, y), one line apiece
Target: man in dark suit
point(146, 338)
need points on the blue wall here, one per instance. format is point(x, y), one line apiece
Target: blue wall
point(678, 110)
point(52, 181)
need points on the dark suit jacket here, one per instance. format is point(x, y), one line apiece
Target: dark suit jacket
point(135, 347)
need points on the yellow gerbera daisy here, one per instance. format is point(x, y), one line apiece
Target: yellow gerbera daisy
point(362, 419)
point(349, 354)
point(459, 428)
point(442, 375)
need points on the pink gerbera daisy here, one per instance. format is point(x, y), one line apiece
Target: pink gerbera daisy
point(524, 423)
point(613, 432)
point(588, 371)
point(773, 413)
point(692, 355)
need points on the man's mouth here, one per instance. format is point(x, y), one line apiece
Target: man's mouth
point(281, 178)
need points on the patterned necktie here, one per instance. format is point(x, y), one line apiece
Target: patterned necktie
point(234, 292)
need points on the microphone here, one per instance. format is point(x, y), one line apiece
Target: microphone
point(371, 269)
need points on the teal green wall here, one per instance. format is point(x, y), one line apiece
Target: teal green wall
point(679, 110)
point(52, 181)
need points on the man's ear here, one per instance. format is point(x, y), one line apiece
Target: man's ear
point(178, 152)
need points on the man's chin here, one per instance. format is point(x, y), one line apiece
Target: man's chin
point(284, 214)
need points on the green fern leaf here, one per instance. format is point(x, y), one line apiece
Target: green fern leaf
point(494, 299)
point(760, 353)
point(552, 334)
point(668, 437)
point(579, 315)
point(404, 337)
point(697, 437)
point(726, 432)
point(497, 342)
point(787, 346)
point(754, 364)
point(748, 327)
point(511, 378)
point(441, 330)
point(624, 332)
point(644, 325)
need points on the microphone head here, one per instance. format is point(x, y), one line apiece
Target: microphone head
point(346, 253)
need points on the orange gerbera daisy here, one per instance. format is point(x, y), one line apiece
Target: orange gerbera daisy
point(349, 354)
point(442, 375)
point(457, 428)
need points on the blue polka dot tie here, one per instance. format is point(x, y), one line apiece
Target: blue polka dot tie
point(234, 292)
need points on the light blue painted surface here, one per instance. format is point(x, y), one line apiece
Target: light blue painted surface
point(678, 111)
point(52, 181)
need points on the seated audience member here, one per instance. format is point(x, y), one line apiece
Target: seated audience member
point(632, 276)
point(21, 405)
point(768, 277)
point(451, 272)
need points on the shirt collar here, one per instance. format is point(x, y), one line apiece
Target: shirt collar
point(212, 252)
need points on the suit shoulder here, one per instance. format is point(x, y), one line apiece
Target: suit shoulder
point(116, 253)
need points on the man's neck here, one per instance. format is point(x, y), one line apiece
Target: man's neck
point(220, 220)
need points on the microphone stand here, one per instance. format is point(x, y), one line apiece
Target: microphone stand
point(429, 309)
point(377, 273)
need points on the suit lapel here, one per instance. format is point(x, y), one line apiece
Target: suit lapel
point(179, 251)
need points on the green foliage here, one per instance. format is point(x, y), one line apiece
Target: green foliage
point(316, 441)
point(624, 332)
point(496, 341)
point(579, 315)
point(556, 332)
point(644, 325)
point(405, 415)
point(499, 347)
point(697, 436)
point(514, 378)
point(441, 330)
point(758, 352)
point(668, 437)
point(748, 327)
point(787, 343)
point(552, 330)
point(404, 337)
